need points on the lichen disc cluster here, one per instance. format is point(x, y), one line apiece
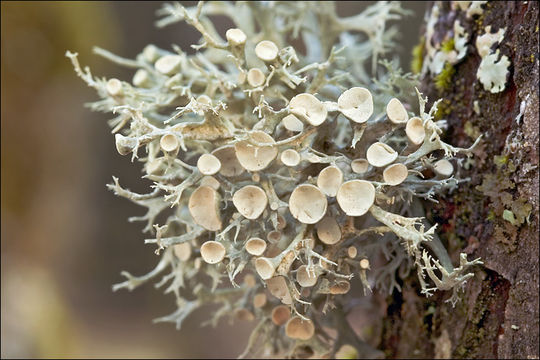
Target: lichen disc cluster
point(290, 175)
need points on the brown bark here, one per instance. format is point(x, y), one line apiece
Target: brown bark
point(498, 314)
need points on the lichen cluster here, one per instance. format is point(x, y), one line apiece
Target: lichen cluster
point(291, 173)
point(441, 57)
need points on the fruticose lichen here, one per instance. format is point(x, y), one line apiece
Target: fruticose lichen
point(295, 173)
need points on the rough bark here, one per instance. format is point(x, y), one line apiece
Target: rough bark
point(498, 314)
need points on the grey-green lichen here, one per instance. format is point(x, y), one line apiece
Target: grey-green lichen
point(294, 173)
point(508, 211)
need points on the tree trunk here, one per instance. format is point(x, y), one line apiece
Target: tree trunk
point(495, 215)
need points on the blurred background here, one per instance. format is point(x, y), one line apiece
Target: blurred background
point(64, 237)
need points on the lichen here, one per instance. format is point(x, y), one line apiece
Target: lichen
point(450, 51)
point(254, 151)
point(507, 211)
point(487, 40)
point(493, 71)
point(470, 130)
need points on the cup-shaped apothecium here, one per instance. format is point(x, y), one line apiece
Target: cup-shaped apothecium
point(230, 166)
point(168, 64)
point(379, 154)
point(308, 108)
point(244, 315)
point(346, 351)
point(208, 164)
point(266, 50)
point(274, 236)
point(395, 174)
point(328, 230)
point(182, 251)
point(443, 168)
point(250, 201)
point(290, 157)
point(235, 37)
point(329, 180)
point(255, 246)
point(306, 278)
point(204, 99)
point(114, 87)
point(141, 78)
point(125, 144)
point(415, 130)
point(298, 328)
point(212, 252)
point(292, 123)
point(307, 204)
point(352, 251)
point(169, 143)
point(359, 166)
point(278, 288)
point(265, 267)
point(364, 264)
point(253, 157)
point(355, 197)
point(340, 287)
point(204, 208)
point(356, 104)
point(250, 281)
point(150, 53)
point(210, 181)
point(280, 315)
point(255, 77)
point(259, 300)
point(396, 112)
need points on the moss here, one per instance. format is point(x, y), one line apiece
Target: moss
point(418, 56)
point(480, 335)
point(444, 79)
point(500, 160)
point(475, 334)
point(472, 131)
point(444, 109)
point(447, 45)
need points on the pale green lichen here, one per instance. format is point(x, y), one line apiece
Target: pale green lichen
point(220, 178)
point(487, 40)
point(493, 71)
point(509, 216)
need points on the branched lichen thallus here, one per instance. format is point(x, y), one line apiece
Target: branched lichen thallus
point(289, 175)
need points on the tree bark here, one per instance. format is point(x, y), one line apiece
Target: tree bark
point(498, 314)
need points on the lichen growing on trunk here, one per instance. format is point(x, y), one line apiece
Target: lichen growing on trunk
point(495, 215)
point(294, 173)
